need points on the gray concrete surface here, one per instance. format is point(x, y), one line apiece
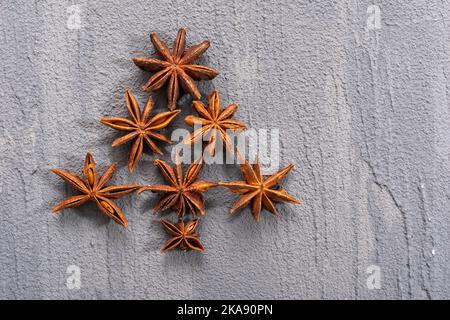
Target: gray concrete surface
point(363, 113)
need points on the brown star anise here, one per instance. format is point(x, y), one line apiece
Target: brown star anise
point(176, 67)
point(182, 193)
point(213, 122)
point(140, 128)
point(93, 188)
point(183, 235)
point(261, 192)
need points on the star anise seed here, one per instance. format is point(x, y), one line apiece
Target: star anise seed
point(140, 127)
point(175, 68)
point(260, 191)
point(184, 235)
point(214, 122)
point(182, 193)
point(93, 189)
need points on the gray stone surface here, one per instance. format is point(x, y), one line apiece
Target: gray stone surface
point(363, 114)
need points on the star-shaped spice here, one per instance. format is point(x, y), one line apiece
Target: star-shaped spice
point(214, 122)
point(93, 189)
point(182, 193)
point(260, 191)
point(176, 68)
point(140, 127)
point(184, 236)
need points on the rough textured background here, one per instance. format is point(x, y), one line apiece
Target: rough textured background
point(363, 114)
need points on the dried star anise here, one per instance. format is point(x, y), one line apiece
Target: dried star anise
point(182, 193)
point(93, 188)
point(176, 67)
point(260, 191)
point(140, 128)
point(213, 122)
point(184, 236)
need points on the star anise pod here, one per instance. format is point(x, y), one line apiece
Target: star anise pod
point(176, 67)
point(182, 193)
point(260, 191)
point(140, 127)
point(184, 236)
point(93, 189)
point(213, 122)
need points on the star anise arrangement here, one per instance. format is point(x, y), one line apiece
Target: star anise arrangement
point(140, 127)
point(182, 193)
point(183, 235)
point(93, 189)
point(176, 68)
point(213, 123)
point(260, 191)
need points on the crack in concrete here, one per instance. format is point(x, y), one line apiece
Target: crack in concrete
point(403, 215)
